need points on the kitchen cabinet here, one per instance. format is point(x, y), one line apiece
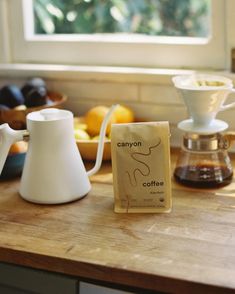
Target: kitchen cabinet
point(22, 280)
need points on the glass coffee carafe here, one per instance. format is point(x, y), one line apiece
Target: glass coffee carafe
point(203, 161)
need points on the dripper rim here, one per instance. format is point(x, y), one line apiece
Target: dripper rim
point(228, 84)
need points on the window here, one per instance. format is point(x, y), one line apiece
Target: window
point(189, 18)
point(202, 46)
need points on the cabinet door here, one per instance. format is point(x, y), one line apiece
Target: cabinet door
point(86, 288)
point(19, 280)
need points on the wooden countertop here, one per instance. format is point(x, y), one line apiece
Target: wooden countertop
point(190, 250)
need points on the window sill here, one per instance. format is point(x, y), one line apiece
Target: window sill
point(98, 73)
point(94, 73)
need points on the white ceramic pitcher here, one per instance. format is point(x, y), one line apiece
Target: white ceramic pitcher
point(53, 170)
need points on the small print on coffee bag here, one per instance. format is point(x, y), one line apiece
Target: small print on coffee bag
point(141, 167)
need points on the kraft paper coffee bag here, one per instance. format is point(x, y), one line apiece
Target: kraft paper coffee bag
point(141, 167)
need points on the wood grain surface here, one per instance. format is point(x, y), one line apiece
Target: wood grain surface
point(190, 250)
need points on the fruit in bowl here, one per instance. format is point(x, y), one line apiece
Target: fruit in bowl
point(16, 102)
point(35, 92)
point(87, 129)
point(81, 134)
point(11, 96)
point(94, 118)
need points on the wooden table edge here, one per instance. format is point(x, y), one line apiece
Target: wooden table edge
point(107, 274)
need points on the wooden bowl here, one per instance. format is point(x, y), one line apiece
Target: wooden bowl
point(88, 149)
point(16, 118)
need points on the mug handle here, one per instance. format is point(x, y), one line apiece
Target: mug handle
point(230, 105)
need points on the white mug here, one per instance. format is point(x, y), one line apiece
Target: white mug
point(204, 96)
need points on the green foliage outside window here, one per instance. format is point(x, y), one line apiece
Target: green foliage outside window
point(150, 17)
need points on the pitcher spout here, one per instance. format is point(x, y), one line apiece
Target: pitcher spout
point(100, 149)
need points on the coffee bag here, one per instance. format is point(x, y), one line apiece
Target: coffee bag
point(141, 167)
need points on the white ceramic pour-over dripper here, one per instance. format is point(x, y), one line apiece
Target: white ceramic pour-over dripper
point(53, 172)
point(204, 96)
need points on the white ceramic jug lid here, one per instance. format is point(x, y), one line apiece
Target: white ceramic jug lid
point(49, 114)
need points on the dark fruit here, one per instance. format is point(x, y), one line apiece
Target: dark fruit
point(11, 96)
point(37, 83)
point(26, 89)
point(32, 84)
point(36, 97)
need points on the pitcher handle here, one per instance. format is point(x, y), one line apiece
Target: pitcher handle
point(8, 136)
point(230, 105)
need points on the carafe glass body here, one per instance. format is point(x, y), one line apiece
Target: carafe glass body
point(203, 167)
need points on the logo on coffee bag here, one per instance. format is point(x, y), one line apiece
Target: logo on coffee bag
point(142, 158)
point(129, 144)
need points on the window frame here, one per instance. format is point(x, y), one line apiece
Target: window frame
point(4, 33)
point(159, 52)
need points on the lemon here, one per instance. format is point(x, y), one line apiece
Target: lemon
point(79, 124)
point(123, 114)
point(97, 138)
point(81, 135)
point(94, 118)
